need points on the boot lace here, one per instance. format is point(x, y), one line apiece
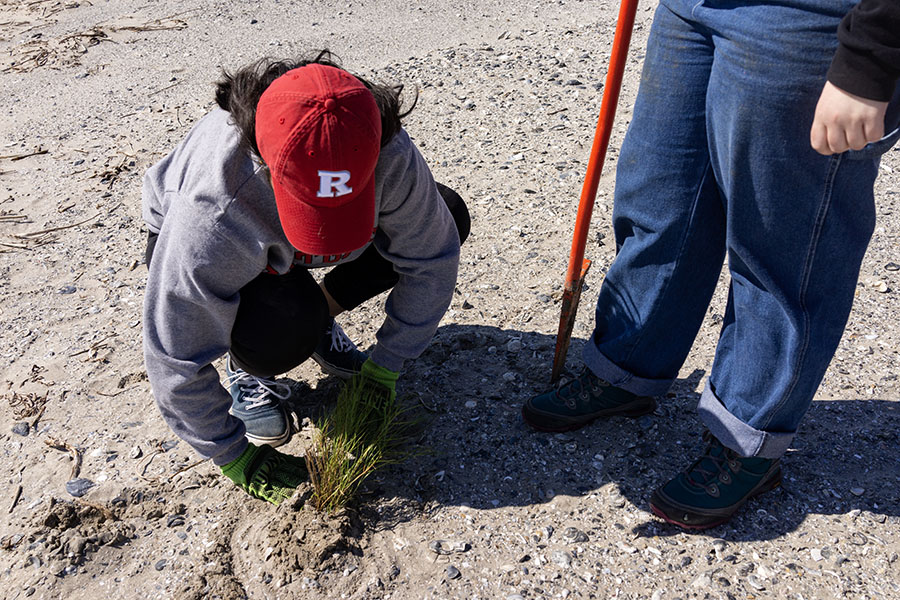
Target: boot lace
point(256, 391)
point(723, 463)
point(340, 342)
point(570, 390)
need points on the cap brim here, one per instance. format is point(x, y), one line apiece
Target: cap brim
point(327, 231)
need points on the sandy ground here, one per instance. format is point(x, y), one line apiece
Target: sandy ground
point(95, 92)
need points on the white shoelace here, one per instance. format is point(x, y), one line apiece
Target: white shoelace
point(257, 390)
point(339, 340)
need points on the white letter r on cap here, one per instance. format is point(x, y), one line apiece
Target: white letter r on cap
point(333, 184)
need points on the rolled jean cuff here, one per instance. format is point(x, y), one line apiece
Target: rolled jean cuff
point(736, 434)
point(605, 369)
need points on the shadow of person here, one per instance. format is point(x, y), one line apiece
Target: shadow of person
point(471, 383)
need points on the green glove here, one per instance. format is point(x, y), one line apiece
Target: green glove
point(267, 474)
point(372, 372)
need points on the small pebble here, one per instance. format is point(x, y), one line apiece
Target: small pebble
point(160, 565)
point(79, 487)
point(446, 547)
point(21, 429)
point(175, 521)
point(452, 572)
point(891, 266)
point(136, 452)
point(67, 289)
point(514, 345)
point(563, 559)
point(857, 491)
point(754, 581)
point(574, 536)
point(616, 498)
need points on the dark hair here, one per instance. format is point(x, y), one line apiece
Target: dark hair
point(239, 93)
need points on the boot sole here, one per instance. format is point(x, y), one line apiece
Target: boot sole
point(640, 410)
point(658, 506)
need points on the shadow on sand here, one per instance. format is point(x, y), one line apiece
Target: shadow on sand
point(470, 385)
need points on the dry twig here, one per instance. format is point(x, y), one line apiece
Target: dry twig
point(146, 463)
point(14, 157)
point(15, 499)
point(27, 405)
point(95, 346)
point(35, 234)
point(13, 218)
point(65, 447)
point(171, 85)
point(18, 246)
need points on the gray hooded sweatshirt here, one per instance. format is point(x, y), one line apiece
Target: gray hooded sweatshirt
point(214, 211)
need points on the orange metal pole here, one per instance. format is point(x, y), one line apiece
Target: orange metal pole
point(578, 265)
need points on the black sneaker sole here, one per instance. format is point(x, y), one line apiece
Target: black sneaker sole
point(666, 509)
point(556, 424)
point(330, 369)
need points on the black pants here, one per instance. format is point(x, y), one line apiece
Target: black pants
point(296, 303)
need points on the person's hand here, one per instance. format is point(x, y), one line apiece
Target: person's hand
point(366, 405)
point(845, 122)
point(267, 474)
point(372, 373)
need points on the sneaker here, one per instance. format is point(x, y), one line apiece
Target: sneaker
point(711, 490)
point(578, 402)
point(337, 355)
point(256, 402)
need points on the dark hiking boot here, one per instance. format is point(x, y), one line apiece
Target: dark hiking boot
point(580, 401)
point(714, 487)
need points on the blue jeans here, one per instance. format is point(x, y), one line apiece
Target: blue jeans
point(717, 162)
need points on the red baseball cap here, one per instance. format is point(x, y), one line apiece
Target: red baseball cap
point(318, 130)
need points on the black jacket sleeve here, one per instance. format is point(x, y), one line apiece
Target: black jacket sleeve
point(867, 61)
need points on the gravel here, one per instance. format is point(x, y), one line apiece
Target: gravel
point(508, 99)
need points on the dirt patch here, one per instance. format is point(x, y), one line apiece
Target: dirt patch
point(292, 547)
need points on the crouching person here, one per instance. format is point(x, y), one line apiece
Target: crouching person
point(301, 166)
